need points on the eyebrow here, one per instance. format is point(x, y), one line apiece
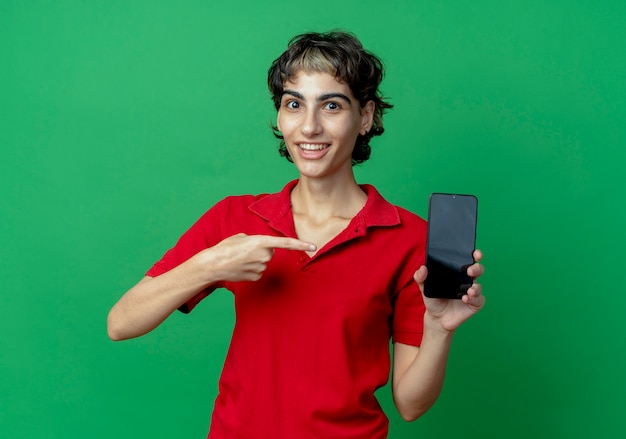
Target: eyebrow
point(320, 98)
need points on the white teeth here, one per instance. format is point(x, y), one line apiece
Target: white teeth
point(312, 146)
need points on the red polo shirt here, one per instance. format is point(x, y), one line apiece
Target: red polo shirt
point(311, 339)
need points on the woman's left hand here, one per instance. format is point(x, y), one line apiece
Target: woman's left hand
point(450, 313)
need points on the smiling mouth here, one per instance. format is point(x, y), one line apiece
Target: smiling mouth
point(313, 146)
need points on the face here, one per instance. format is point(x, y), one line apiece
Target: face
point(320, 120)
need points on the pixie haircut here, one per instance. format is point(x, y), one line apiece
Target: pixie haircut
point(339, 54)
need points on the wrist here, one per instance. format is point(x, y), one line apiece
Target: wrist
point(203, 267)
point(434, 327)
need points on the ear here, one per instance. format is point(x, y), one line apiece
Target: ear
point(367, 117)
point(278, 121)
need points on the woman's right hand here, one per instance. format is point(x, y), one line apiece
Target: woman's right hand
point(237, 258)
point(244, 257)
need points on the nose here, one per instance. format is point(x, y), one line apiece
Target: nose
point(311, 125)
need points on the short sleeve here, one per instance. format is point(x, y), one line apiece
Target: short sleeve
point(204, 233)
point(408, 311)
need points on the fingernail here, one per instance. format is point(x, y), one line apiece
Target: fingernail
point(312, 247)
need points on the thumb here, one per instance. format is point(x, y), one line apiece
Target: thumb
point(420, 275)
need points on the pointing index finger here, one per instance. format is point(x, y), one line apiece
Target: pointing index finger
point(288, 243)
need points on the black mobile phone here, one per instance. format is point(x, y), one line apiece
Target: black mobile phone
point(450, 244)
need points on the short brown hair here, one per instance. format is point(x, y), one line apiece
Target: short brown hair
point(340, 54)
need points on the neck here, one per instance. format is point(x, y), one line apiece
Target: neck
point(338, 196)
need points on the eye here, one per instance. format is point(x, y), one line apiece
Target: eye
point(332, 106)
point(292, 105)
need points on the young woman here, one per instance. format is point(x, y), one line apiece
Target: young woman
point(324, 273)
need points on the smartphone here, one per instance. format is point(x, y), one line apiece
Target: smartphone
point(450, 244)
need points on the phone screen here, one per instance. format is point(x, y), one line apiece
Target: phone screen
point(450, 245)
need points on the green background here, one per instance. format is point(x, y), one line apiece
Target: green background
point(122, 121)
